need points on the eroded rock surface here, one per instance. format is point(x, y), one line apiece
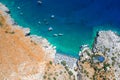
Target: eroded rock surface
point(107, 45)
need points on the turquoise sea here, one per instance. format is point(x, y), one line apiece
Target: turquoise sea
point(78, 20)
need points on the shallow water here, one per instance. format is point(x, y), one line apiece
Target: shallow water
point(78, 20)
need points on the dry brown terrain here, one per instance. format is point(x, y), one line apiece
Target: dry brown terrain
point(17, 53)
point(90, 69)
point(23, 59)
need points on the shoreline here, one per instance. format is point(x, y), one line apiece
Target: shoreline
point(70, 61)
point(105, 42)
point(39, 57)
point(46, 45)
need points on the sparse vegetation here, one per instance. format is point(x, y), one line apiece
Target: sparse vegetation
point(113, 58)
point(70, 73)
point(44, 76)
point(87, 52)
point(1, 24)
point(6, 31)
point(61, 72)
point(63, 63)
point(49, 78)
point(66, 67)
point(113, 63)
point(12, 32)
point(51, 62)
point(35, 43)
point(54, 78)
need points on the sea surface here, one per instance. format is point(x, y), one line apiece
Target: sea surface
point(78, 20)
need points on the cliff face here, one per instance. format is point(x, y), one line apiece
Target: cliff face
point(24, 57)
point(103, 61)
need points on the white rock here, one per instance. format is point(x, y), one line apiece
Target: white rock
point(26, 31)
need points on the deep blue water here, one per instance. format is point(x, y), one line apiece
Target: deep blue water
point(78, 20)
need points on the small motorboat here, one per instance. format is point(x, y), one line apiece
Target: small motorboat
point(50, 29)
point(55, 35)
point(39, 2)
point(60, 34)
point(39, 22)
point(21, 13)
point(52, 16)
point(18, 7)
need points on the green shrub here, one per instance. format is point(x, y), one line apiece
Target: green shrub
point(113, 58)
point(12, 32)
point(63, 63)
point(6, 31)
point(66, 68)
point(70, 73)
point(50, 62)
point(49, 78)
point(44, 76)
point(54, 78)
point(1, 24)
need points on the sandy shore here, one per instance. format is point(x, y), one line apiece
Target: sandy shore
point(71, 62)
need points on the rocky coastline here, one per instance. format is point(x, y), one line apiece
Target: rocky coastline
point(47, 47)
point(88, 67)
point(70, 62)
point(48, 50)
point(107, 47)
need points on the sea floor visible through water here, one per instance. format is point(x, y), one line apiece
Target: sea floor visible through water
point(78, 20)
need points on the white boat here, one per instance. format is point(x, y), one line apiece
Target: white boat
point(52, 16)
point(50, 29)
point(60, 34)
point(21, 13)
point(39, 22)
point(18, 7)
point(39, 2)
point(55, 35)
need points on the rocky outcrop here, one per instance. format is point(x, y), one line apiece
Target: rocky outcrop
point(4, 8)
point(107, 45)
